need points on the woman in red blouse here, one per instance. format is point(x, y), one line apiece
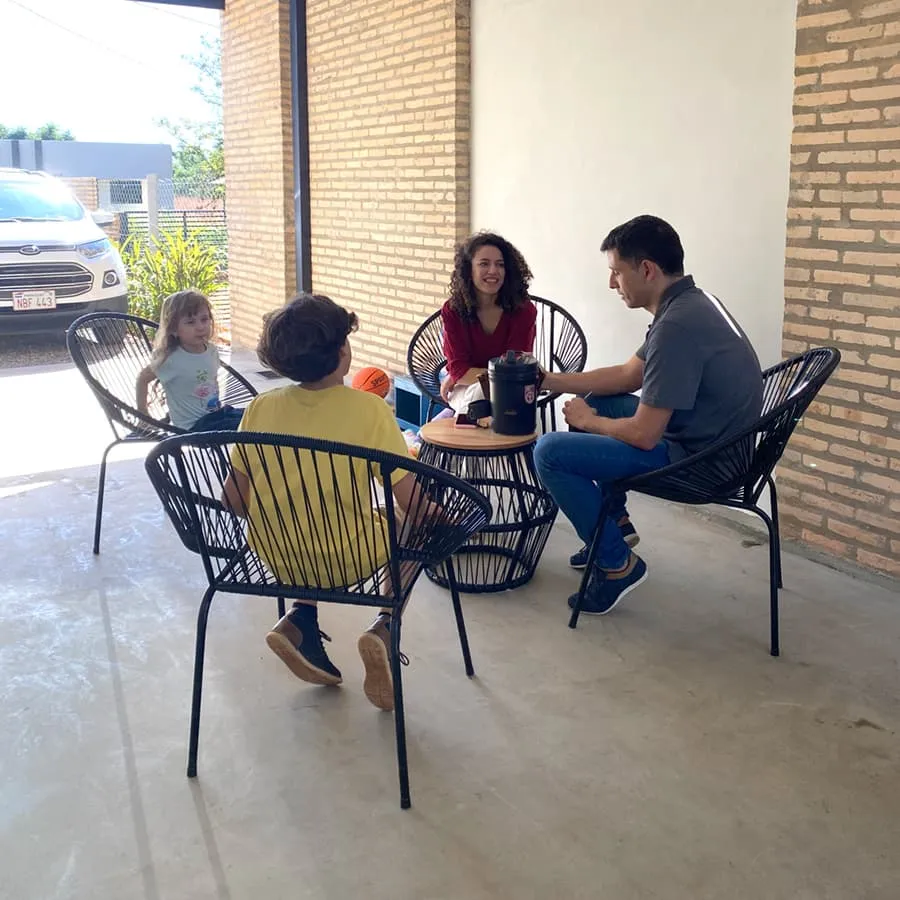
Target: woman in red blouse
point(488, 313)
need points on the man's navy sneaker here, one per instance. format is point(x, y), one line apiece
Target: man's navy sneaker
point(606, 589)
point(629, 533)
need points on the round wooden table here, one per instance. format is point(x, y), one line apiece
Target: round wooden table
point(505, 554)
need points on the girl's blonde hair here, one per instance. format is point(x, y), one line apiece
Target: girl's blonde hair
point(174, 308)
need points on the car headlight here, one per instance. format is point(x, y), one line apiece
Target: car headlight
point(93, 249)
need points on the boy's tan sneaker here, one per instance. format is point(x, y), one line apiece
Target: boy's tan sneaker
point(375, 651)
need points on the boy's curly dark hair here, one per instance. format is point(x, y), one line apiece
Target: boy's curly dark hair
point(302, 340)
point(514, 290)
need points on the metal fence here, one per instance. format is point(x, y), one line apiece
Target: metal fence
point(193, 209)
point(206, 226)
point(125, 195)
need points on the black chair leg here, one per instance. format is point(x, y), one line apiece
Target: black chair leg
point(774, 551)
point(101, 485)
point(605, 508)
point(399, 720)
point(281, 609)
point(548, 411)
point(460, 622)
point(773, 495)
point(199, 653)
point(777, 532)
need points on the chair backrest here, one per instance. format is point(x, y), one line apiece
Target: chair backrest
point(788, 390)
point(736, 469)
point(110, 350)
point(560, 346)
point(318, 523)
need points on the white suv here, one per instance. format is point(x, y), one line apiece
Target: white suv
point(55, 262)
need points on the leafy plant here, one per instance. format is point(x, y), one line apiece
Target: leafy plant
point(160, 266)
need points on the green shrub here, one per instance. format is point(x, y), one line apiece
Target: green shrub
point(160, 266)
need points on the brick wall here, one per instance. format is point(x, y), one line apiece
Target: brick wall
point(389, 160)
point(258, 160)
point(85, 189)
point(841, 476)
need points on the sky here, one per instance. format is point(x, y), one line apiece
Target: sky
point(104, 69)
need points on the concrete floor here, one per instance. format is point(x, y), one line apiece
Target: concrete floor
point(656, 753)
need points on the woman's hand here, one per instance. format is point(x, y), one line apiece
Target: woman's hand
point(447, 386)
point(578, 414)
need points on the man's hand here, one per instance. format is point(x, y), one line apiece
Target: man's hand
point(624, 379)
point(548, 381)
point(447, 385)
point(579, 414)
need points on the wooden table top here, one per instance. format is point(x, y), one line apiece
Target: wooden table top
point(444, 433)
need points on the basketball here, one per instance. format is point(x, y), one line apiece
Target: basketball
point(372, 380)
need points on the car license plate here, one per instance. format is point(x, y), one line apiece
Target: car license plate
point(26, 300)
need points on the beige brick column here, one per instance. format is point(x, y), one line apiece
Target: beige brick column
point(389, 158)
point(841, 477)
point(258, 160)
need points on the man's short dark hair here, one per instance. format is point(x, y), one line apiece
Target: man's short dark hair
point(648, 237)
point(302, 340)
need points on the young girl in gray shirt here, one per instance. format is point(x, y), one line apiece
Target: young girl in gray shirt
point(186, 364)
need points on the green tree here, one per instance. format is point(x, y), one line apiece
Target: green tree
point(47, 132)
point(199, 144)
point(208, 63)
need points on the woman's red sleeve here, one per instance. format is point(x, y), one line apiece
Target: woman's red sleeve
point(456, 344)
point(523, 329)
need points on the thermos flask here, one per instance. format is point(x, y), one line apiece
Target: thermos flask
point(514, 379)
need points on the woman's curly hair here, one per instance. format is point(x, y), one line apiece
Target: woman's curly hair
point(517, 276)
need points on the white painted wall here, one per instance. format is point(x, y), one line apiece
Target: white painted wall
point(589, 112)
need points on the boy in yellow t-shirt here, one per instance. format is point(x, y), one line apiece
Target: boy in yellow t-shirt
point(308, 341)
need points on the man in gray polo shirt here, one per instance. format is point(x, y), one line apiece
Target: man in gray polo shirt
point(699, 379)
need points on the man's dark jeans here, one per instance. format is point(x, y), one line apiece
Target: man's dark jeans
point(576, 466)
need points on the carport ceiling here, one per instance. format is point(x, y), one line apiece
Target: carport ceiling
point(205, 4)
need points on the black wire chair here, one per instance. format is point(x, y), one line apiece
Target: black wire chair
point(110, 350)
point(735, 471)
point(559, 346)
point(310, 533)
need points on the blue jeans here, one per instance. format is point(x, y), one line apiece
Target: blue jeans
point(575, 467)
point(226, 418)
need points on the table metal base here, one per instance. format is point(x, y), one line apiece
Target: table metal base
point(505, 554)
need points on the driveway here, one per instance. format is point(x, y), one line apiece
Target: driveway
point(21, 350)
point(59, 422)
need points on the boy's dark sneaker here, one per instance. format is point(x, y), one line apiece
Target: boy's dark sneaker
point(629, 534)
point(297, 641)
point(375, 651)
point(603, 594)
